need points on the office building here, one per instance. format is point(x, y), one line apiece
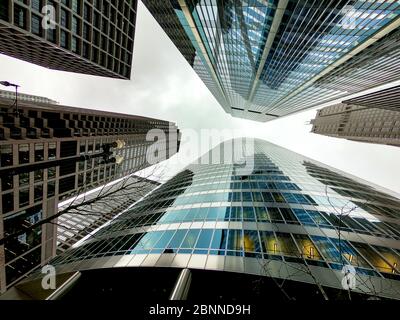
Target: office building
point(271, 224)
point(51, 153)
point(90, 37)
point(100, 207)
point(372, 118)
point(266, 59)
point(26, 97)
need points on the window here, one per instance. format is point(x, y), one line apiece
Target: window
point(64, 19)
point(6, 155)
point(19, 16)
point(52, 152)
point(39, 152)
point(36, 5)
point(23, 153)
point(8, 202)
point(63, 39)
point(36, 25)
point(23, 197)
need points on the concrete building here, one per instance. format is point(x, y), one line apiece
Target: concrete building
point(50, 153)
point(372, 118)
point(267, 224)
point(266, 59)
point(26, 97)
point(90, 37)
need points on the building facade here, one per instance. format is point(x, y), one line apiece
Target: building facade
point(269, 215)
point(26, 97)
point(50, 153)
point(372, 118)
point(266, 59)
point(100, 207)
point(91, 37)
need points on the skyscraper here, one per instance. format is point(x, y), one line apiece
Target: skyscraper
point(266, 59)
point(91, 37)
point(271, 223)
point(50, 153)
point(373, 118)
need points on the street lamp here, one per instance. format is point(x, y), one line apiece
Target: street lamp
point(9, 84)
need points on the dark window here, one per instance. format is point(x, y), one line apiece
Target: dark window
point(6, 155)
point(20, 17)
point(36, 25)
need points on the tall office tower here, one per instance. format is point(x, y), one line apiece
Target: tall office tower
point(270, 224)
point(53, 152)
point(266, 59)
point(373, 118)
point(91, 37)
point(99, 208)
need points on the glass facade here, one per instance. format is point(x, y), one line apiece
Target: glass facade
point(287, 217)
point(263, 59)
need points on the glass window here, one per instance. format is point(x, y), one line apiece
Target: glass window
point(39, 152)
point(262, 214)
point(307, 247)
point(285, 245)
point(373, 257)
point(8, 202)
point(251, 241)
point(275, 215)
point(164, 240)
point(6, 155)
point(52, 152)
point(203, 242)
point(236, 214)
point(177, 239)
point(235, 240)
point(268, 242)
point(24, 179)
point(23, 153)
point(7, 182)
point(23, 197)
point(36, 25)
point(219, 239)
point(248, 214)
point(190, 238)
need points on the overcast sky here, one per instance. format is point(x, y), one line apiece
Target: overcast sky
point(164, 86)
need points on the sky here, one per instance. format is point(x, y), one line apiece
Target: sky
point(164, 86)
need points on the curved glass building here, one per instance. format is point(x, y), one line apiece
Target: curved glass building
point(270, 216)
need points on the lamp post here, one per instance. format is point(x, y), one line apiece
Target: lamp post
point(9, 84)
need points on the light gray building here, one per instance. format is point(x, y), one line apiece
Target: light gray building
point(372, 118)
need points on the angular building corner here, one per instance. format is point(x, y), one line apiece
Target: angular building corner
point(90, 37)
point(266, 59)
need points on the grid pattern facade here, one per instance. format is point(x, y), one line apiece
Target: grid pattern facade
point(262, 59)
point(110, 200)
point(373, 118)
point(94, 37)
point(26, 97)
point(290, 217)
point(47, 139)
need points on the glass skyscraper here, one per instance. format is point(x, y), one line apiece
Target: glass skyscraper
point(267, 59)
point(269, 214)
